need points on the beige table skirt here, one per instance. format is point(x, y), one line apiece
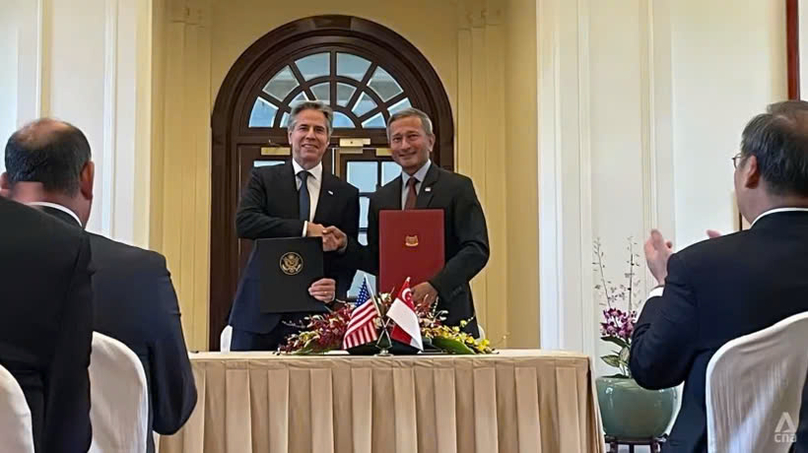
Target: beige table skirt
point(515, 401)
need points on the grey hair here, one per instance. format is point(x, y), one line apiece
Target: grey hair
point(311, 105)
point(426, 123)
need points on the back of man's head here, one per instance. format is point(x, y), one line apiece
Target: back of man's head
point(779, 141)
point(50, 152)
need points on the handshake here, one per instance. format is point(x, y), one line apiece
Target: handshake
point(333, 238)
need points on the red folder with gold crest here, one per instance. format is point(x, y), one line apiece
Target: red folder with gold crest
point(411, 245)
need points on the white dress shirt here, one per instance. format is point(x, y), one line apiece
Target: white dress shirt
point(313, 183)
point(46, 204)
point(419, 175)
point(776, 210)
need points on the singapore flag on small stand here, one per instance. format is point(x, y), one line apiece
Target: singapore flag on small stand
point(407, 329)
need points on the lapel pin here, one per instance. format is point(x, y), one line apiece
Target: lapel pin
point(428, 189)
point(330, 192)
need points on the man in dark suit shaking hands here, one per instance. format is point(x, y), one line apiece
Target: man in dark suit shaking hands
point(733, 285)
point(423, 185)
point(295, 200)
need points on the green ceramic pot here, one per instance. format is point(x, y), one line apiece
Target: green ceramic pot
point(632, 412)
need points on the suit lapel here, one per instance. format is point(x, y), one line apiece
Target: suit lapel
point(427, 189)
point(392, 200)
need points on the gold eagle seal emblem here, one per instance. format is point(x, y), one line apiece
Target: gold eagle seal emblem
point(291, 263)
point(411, 241)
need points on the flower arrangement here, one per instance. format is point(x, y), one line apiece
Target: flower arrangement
point(324, 332)
point(320, 333)
point(618, 324)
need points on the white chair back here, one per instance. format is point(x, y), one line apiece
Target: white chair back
point(754, 389)
point(120, 403)
point(15, 416)
point(225, 338)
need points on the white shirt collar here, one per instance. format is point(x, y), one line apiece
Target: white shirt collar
point(419, 175)
point(46, 204)
point(776, 210)
point(317, 171)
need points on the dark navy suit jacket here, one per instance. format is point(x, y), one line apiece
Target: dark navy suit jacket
point(269, 209)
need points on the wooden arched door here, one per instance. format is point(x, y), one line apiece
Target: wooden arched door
point(363, 70)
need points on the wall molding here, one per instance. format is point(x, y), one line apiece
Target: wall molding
point(110, 117)
point(569, 309)
point(586, 301)
point(43, 24)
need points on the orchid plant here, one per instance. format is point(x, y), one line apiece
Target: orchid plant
point(620, 307)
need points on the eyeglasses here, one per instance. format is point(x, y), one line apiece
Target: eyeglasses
point(735, 160)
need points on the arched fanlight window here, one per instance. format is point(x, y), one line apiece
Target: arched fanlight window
point(363, 70)
point(362, 94)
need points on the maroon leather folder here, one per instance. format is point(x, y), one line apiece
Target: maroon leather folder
point(410, 245)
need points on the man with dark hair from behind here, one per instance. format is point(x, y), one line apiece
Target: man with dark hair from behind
point(48, 165)
point(747, 281)
point(46, 323)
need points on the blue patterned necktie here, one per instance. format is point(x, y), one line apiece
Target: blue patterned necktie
point(303, 202)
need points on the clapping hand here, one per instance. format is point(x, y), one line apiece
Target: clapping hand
point(712, 234)
point(657, 253)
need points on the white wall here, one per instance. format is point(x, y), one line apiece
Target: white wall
point(8, 77)
point(729, 62)
point(802, 13)
point(87, 62)
point(74, 88)
point(19, 59)
point(641, 107)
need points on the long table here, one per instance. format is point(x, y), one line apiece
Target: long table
point(514, 401)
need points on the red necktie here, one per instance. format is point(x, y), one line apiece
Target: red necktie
point(411, 195)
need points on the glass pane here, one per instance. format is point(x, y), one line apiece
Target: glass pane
point(316, 65)
point(284, 120)
point(344, 93)
point(266, 163)
point(281, 84)
point(300, 98)
point(362, 175)
point(322, 91)
point(360, 276)
point(375, 121)
point(351, 66)
point(384, 84)
point(364, 204)
point(364, 105)
point(389, 171)
point(400, 105)
point(342, 120)
point(263, 114)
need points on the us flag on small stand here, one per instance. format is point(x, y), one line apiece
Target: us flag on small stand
point(362, 326)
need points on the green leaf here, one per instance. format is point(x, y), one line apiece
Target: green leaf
point(451, 346)
point(624, 354)
point(616, 340)
point(612, 360)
